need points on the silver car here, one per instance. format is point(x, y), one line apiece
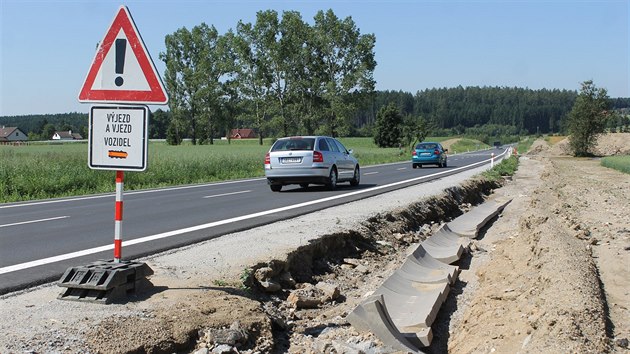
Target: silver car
point(308, 160)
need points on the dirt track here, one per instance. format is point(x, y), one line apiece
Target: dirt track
point(550, 275)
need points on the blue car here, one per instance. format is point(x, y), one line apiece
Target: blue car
point(429, 153)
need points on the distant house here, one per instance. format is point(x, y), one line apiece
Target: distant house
point(243, 134)
point(66, 135)
point(8, 134)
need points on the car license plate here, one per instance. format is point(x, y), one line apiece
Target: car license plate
point(425, 154)
point(291, 160)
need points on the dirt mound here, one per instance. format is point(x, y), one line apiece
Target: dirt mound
point(552, 273)
point(540, 290)
point(607, 145)
point(613, 144)
point(538, 148)
point(176, 328)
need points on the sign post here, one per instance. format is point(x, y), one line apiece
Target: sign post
point(118, 141)
point(120, 176)
point(123, 77)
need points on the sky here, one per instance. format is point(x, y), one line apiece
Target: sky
point(47, 47)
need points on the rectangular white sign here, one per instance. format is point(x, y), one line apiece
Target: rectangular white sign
point(118, 138)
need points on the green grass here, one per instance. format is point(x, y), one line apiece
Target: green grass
point(465, 145)
point(368, 153)
point(525, 144)
point(619, 163)
point(40, 171)
point(49, 171)
point(506, 167)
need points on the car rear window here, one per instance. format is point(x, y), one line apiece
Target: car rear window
point(293, 144)
point(323, 145)
point(426, 146)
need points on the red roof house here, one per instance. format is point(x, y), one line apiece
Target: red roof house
point(243, 134)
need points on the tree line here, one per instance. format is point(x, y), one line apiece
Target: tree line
point(44, 126)
point(478, 112)
point(452, 110)
point(278, 75)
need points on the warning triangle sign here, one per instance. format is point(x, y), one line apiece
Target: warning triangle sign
point(122, 70)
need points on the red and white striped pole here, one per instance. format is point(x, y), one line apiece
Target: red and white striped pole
point(118, 216)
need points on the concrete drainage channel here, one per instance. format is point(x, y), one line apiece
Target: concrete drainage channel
point(401, 311)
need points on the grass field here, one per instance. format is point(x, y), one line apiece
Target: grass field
point(464, 145)
point(619, 163)
point(39, 171)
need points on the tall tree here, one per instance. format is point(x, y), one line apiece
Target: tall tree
point(388, 126)
point(48, 131)
point(587, 119)
point(271, 51)
point(158, 124)
point(288, 62)
point(211, 96)
point(345, 65)
point(304, 82)
point(181, 85)
point(231, 101)
point(252, 72)
point(193, 71)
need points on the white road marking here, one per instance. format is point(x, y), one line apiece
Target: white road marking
point(34, 221)
point(111, 195)
point(402, 168)
point(140, 240)
point(370, 173)
point(225, 194)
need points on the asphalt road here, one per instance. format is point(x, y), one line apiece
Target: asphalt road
point(39, 240)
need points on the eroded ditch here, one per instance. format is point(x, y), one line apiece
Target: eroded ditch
point(295, 304)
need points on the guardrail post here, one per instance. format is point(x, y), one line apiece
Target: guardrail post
point(492, 160)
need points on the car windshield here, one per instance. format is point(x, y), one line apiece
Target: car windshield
point(294, 144)
point(426, 146)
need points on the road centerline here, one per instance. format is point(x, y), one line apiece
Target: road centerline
point(34, 221)
point(226, 194)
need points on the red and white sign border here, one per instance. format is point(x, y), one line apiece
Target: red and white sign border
point(156, 94)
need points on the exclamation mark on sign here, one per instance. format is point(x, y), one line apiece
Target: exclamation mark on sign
point(121, 47)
